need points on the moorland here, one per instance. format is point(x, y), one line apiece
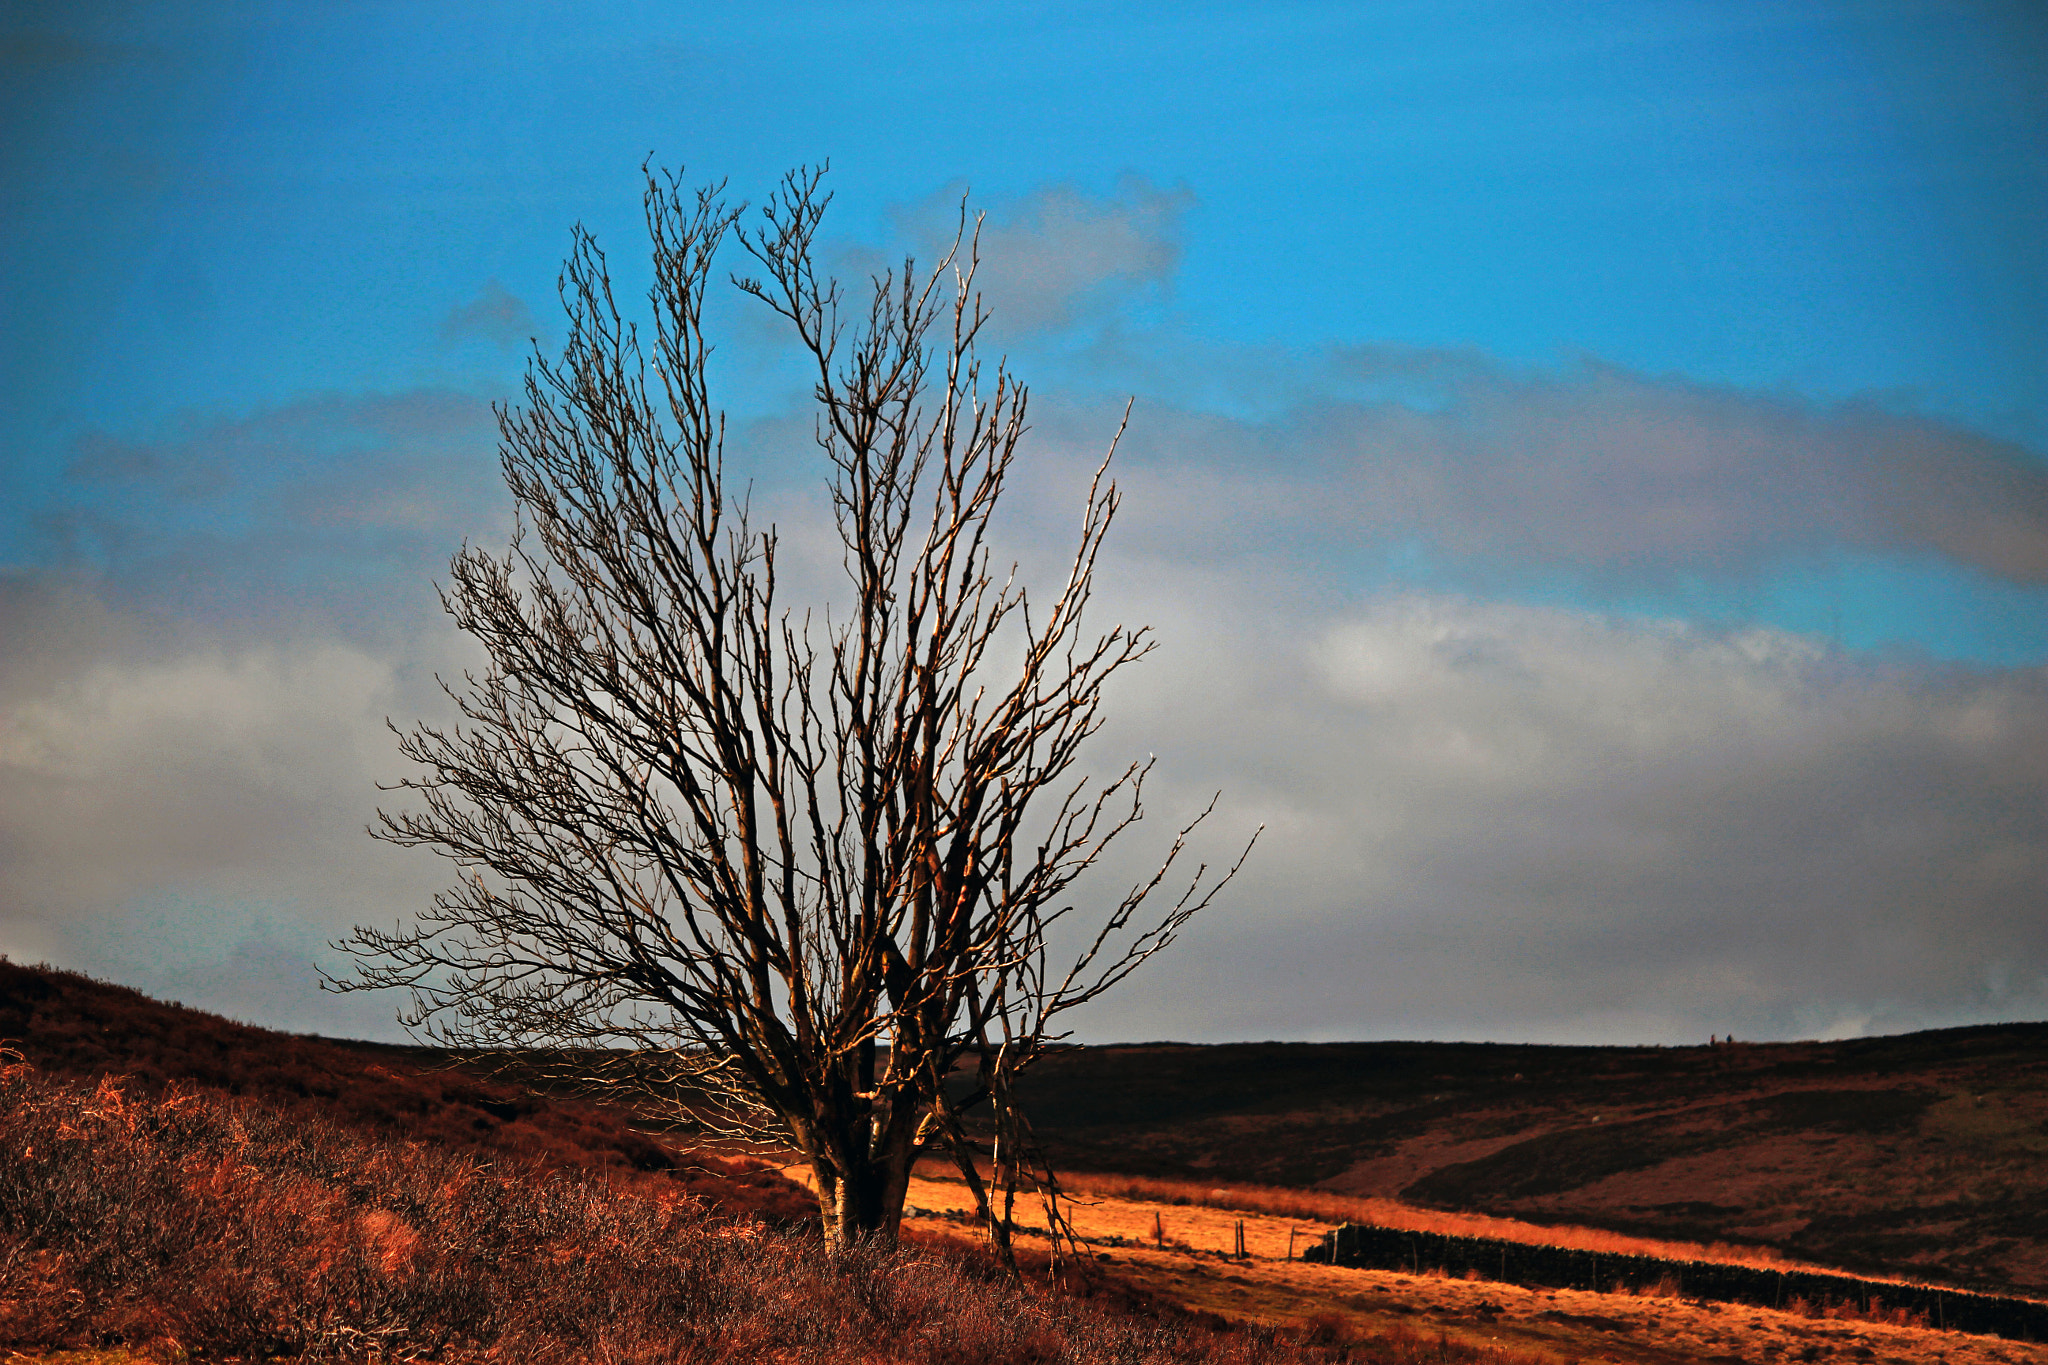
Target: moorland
point(368, 1201)
point(1922, 1154)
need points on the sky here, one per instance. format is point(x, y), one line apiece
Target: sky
point(1588, 470)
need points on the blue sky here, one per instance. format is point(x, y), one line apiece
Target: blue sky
point(1711, 341)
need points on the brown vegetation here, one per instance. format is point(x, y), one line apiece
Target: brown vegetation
point(69, 1024)
point(1189, 1261)
point(192, 1225)
point(386, 1095)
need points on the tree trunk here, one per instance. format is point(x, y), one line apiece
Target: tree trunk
point(865, 1203)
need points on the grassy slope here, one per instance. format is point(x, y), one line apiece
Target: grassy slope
point(1924, 1154)
point(71, 1025)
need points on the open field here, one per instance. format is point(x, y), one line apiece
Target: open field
point(1194, 1268)
point(1326, 1209)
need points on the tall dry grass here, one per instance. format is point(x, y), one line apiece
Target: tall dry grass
point(192, 1226)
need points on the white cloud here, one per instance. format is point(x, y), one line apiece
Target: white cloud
point(1497, 820)
point(1484, 818)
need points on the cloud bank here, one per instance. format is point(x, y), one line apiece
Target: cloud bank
point(1487, 819)
point(1594, 470)
point(169, 813)
point(1490, 811)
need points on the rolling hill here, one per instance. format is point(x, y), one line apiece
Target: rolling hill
point(1923, 1154)
point(1920, 1156)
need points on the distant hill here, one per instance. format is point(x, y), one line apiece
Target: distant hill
point(67, 1024)
point(1924, 1154)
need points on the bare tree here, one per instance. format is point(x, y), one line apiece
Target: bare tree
point(794, 875)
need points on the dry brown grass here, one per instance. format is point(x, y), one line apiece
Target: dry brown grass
point(193, 1226)
point(72, 1025)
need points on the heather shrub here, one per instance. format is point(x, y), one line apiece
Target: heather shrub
point(201, 1224)
point(70, 1024)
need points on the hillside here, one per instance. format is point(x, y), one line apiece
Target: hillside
point(67, 1024)
point(1923, 1154)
